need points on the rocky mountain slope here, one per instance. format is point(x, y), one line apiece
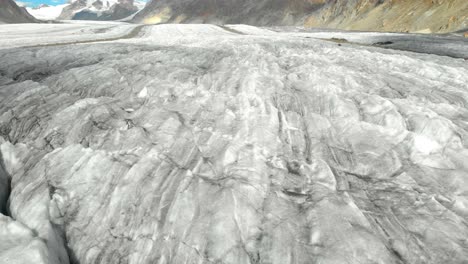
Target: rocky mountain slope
point(10, 12)
point(204, 144)
point(374, 15)
point(98, 10)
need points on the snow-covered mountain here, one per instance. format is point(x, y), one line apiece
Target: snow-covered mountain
point(46, 12)
point(99, 9)
point(10, 12)
point(88, 10)
point(381, 15)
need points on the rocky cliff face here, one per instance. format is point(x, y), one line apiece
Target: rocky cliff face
point(98, 10)
point(375, 15)
point(10, 12)
point(423, 16)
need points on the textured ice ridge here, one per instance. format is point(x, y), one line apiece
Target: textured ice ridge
point(196, 144)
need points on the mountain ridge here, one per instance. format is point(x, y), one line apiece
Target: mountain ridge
point(12, 13)
point(98, 10)
point(425, 16)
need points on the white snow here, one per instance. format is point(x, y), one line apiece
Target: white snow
point(47, 13)
point(143, 93)
point(21, 35)
point(19, 244)
point(140, 4)
point(106, 4)
point(188, 34)
point(53, 12)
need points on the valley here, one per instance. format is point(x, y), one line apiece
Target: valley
point(192, 143)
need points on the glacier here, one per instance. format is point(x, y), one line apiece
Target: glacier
point(231, 144)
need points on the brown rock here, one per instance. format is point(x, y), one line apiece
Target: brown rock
point(373, 15)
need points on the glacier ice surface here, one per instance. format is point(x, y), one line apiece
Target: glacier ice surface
point(207, 144)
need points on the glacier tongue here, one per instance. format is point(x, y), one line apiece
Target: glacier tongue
point(196, 144)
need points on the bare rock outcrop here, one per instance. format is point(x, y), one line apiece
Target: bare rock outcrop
point(10, 12)
point(375, 15)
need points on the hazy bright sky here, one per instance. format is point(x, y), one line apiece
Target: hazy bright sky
point(33, 3)
point(38, 2)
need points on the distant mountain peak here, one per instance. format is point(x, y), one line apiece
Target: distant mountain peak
point(41, 6)
point(98, 10)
